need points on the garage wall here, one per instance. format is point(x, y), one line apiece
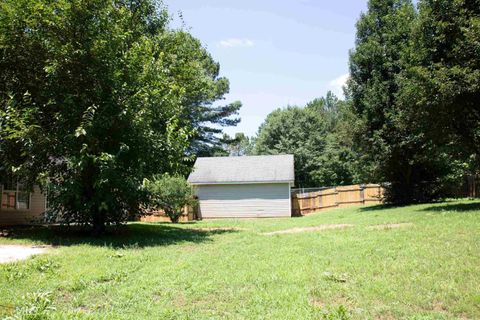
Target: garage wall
point(244, 200)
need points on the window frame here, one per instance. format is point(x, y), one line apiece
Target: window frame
point(16, 192)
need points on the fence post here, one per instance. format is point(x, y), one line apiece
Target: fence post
point(320, 202)
point(473, 186)
point(471, 182)
point(362, 193)
point(474, 192)
point(336, 196)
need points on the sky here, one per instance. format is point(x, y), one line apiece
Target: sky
point(274, 52)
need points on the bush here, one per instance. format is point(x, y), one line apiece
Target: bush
point(169, 193)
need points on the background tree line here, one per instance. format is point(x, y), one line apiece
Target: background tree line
point(318, 134)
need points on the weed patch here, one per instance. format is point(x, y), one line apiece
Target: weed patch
point(36, 306)
point(389, 226)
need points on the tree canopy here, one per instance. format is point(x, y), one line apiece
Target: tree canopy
point(311, 134)
point(442, 79)
point(239, 145)
point(390, 137)
point(171, 193)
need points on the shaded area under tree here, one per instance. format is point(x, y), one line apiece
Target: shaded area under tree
point(130, 235)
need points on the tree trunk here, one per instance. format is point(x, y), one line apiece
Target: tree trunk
point(97, 215)
point(174, 216)
point(98, 223)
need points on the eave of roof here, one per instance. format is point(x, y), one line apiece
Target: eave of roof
point(242, 182)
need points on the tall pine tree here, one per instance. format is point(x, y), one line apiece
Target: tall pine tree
point(442, 84)
point(389, 141)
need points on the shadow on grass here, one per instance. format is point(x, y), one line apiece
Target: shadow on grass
point(459, 207)
point(379, 207)
point(131, 235)
point(449, 205)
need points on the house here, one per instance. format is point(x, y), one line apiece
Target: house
point(19, 205)
point(243, 187)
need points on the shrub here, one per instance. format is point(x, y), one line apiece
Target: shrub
point(169, 193)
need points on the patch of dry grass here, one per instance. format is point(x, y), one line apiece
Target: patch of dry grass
point(310, 229)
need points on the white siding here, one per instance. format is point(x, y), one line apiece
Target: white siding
point(27, 216)
point(244, 200)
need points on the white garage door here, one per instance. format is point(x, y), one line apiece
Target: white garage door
point(244, 200)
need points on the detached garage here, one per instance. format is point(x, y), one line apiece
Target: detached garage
point(243, 187)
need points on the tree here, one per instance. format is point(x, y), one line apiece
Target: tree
point(293, 130)
point(390, 135)
point(442, 83)
point(336, 162)
point(208, 140)
point(169, 193)
point(330, 107)
point(97, 95)
point(202, 87)
point(240, 145)
point(308, 133)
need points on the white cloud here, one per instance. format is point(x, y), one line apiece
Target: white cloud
point(337, 84)
point(236, 42)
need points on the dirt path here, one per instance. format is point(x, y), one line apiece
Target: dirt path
point(310, 229)
point(11, 253)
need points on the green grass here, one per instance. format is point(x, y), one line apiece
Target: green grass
point(427, 270)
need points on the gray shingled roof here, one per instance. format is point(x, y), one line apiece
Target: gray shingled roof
point(255, 169)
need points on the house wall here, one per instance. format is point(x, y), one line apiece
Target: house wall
point(27, 216)
point(244, 200)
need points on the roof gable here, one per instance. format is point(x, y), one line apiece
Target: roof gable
point(246, 169)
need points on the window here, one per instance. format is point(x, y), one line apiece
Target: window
point(23, 200)
point(14, 196)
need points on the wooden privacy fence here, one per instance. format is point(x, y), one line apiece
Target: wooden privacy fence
point(189, 213)
point(471, 187)
point(342, 196)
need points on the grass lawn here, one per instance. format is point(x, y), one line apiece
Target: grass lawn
point(428, 267)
